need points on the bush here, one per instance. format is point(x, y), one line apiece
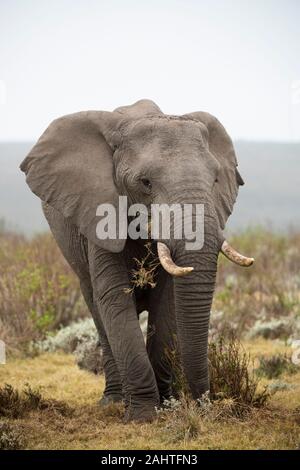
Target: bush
point(15, 404)
point(68, 338)
point(80, 338)
point(279, 386)
point(231, 378)
point(272, 367)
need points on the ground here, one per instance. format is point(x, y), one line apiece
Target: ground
point(88, 426)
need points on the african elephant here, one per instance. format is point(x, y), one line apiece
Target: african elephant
point(88, 158)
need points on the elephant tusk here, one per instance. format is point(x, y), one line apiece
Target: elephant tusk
point(234, 256)
point(168, 264)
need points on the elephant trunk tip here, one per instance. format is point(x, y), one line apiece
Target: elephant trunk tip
point(235, 256)
point(168, 264)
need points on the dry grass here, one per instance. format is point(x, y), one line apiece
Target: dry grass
point(187, 427)
point(143, 275)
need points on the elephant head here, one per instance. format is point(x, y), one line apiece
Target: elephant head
point(89, 158)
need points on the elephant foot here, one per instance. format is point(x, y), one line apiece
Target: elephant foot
point(111, 398)
point(141, 415)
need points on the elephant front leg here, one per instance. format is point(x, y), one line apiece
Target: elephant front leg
point(118, 313)
point(113, 386)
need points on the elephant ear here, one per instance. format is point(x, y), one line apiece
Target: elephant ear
point(71, 168)
point(220, 145)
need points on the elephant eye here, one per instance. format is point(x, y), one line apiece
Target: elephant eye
point(147, 183)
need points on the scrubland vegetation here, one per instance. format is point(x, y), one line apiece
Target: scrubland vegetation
point(47, 401)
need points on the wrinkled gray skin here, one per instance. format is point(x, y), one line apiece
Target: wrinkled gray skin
point(88, 158)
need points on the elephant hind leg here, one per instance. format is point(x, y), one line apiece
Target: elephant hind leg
point(73, 246)
point(161, 334)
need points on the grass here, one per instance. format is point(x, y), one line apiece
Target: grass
point(187, 427)
point(59, 410)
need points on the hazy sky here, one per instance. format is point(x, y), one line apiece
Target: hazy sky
point(239, 60)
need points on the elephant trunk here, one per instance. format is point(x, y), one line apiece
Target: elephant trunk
point(193, 298)
point(194, 273)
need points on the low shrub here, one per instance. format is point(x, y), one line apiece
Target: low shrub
point(231, 376)
point(15, 404)
point(80, 338)
point(68, 338)
point(279, 386)
point(272, 367)
point(232, 379)
point(10, 437)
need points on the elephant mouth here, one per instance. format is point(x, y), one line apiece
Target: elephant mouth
point(171, 267)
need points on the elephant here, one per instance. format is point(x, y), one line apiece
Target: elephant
point(92, 157)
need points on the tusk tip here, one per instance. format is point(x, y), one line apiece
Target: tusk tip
point(188, 270)
point(250, 261)
point(235, 256)
point(182, 271)
point(168, 264)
